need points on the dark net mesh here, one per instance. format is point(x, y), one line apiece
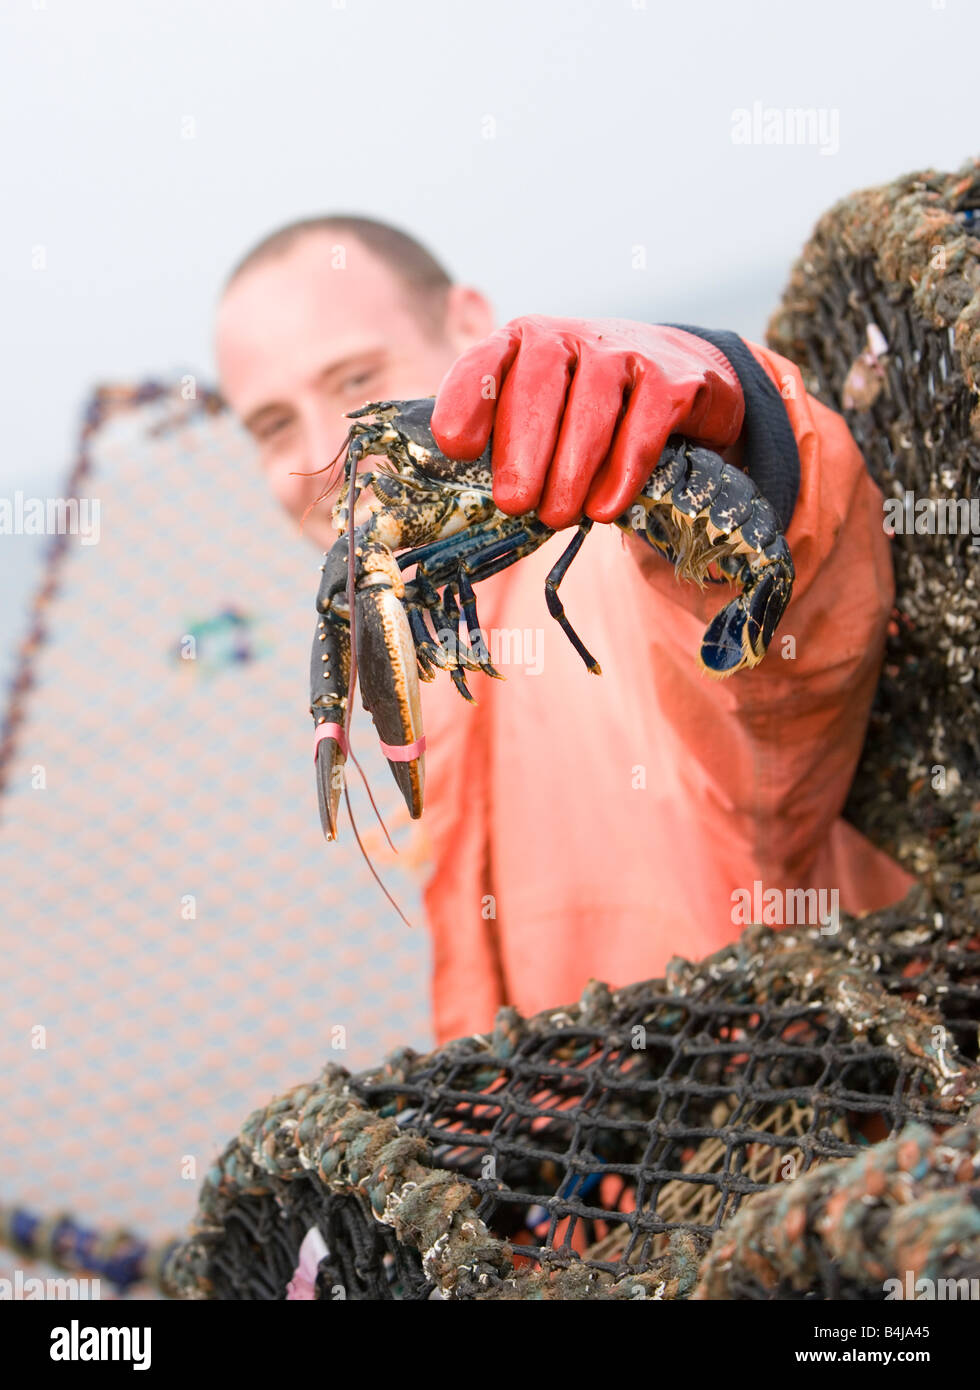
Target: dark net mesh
point(596, 1150)
point(903, 262)
point(792, 1117)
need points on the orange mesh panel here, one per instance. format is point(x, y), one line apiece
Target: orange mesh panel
point(174, 787)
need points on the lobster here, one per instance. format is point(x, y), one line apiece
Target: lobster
point(437, 517)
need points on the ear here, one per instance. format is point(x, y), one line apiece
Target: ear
point(469, 317)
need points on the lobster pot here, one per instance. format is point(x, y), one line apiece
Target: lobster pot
point(178, 939)
point(611, 1149)
point(882, 315)
point(794, 1117)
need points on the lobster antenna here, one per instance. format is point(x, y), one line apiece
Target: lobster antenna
point(367, 858)
point(326, 491)
point(367, 787)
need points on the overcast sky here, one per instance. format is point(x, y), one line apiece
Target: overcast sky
point(569, 157)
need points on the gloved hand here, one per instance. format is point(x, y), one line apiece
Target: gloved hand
point(581, 410)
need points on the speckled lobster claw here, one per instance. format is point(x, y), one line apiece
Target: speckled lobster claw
point(386, 666)
point(388, 670)
point(329, 684)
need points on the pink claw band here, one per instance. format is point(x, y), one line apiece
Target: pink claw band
point(403, 752)
point(334, 731)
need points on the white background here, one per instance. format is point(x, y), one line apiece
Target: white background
point(611, 127)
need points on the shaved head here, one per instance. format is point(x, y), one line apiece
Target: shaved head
point(424, 280)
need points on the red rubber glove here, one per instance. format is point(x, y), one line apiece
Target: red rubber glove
point(580, 411)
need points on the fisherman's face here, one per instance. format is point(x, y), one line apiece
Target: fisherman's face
point(301, 340)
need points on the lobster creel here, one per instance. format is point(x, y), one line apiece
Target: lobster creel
point(702, 1135)
point(597, 1151)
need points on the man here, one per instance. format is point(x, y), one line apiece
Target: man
point(579, 826)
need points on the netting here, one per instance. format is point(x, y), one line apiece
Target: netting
point(170, 905)
point(781, 1119)
point(882, 314)
point(595, 1151)
point(900, 1220)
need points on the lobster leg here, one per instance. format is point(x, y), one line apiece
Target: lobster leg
point(445, 610)
point(460, 561)
point(444, 613)
point(462, 658)
point(430, 653)
point(446, 651)
point(555, 606)
point(470, 559)
point(425, 648)
point(474, 633)
point(440, 557)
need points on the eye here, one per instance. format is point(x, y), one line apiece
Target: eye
point(358, 380)
point(268, 429)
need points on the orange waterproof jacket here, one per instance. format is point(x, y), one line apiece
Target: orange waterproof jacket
point(583, 826)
